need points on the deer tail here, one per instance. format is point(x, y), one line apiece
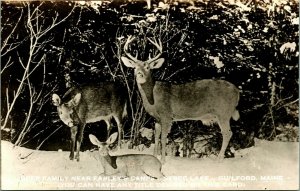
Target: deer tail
point(235, 115)
point(124, 114)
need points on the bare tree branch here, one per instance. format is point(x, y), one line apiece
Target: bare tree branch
point(7, 65)
point(5, 42)
point(36, 31)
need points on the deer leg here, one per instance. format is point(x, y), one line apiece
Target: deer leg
point(166, 127)
point(226, 134)
point(79, 141)
point(120, 125)
point(73, 141)
point(157, 135)
point(108, 126)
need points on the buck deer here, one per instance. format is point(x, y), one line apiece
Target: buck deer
point(206, 100)
point(88, 104)
point(126, 165)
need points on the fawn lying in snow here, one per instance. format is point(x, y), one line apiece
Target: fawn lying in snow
point(126, 165)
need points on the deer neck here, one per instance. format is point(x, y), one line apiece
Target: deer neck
point(108, 162)
point(146, 90)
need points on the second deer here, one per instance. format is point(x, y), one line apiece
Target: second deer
point(126, 165)
point(91, 103)
point(206, 100)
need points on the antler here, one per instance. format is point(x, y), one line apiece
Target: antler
point(129, 40)
point(158, 45)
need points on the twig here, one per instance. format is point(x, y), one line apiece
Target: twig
point(38, 147)
point(290, 103)
point(9, 36)
point(184, 68)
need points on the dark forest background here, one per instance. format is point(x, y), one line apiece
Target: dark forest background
point(47, 47)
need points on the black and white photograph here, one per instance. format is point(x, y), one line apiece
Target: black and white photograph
point(150, 95)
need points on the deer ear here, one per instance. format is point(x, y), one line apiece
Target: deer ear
point(94, 140)
point(56, 100)
point(127, 62)
point(157, 63)
point(112, 138)
point(75, 101)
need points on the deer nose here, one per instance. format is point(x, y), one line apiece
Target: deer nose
point(70, 124)
point(140, 75)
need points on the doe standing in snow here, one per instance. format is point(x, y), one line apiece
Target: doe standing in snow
point(205, 100)
point(88, 104)
point(126, 165)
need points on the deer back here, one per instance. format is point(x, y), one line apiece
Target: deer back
point(195, 100)
point(97, 101)
point(105, 99)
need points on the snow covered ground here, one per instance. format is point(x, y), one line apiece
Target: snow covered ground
point(268, 165)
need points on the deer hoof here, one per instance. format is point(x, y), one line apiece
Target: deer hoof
point(220, 158)
point(77, 158)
